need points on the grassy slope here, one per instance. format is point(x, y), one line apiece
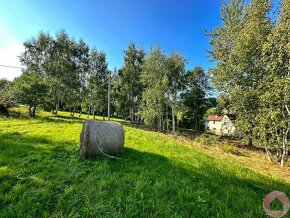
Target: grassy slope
point(43, 175)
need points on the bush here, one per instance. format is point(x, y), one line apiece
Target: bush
point(231, 149)
point(207, 140)
point(7, 98)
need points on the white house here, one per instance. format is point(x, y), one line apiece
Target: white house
point(221, 125)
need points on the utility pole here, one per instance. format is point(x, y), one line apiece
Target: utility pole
point(109, 97)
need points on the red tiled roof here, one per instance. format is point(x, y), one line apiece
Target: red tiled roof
point(214, 118)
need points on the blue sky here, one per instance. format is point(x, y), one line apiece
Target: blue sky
point(111, 25)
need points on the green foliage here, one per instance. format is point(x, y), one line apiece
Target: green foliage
point(30, 89)
point(42, 175)
point(145, 89)
point(252, 71)
point(127, 84)
point(155, 81)
point(97, 82)
point(193, 97)
point(212, 101)
point(167, 86)
point(274, 116)
point(62, 62)
point(175, 67)
point(7, 97)
point(211, 111)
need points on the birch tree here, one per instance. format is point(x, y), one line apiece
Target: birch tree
point(175, 64)
point(237, 49)
point(98, 82)
point(274, 114)
point(155, 81)
point(130, 87)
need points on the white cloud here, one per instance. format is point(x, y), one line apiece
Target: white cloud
point(10, 49)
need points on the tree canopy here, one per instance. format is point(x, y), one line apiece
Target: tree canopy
point(252, 71)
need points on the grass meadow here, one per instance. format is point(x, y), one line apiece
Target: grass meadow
point(43, 175)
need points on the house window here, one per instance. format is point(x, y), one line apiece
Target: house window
point(213, 122)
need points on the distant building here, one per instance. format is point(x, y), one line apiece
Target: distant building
point(221, 125)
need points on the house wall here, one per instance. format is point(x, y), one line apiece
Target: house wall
point(213, 126)
point(225, 126)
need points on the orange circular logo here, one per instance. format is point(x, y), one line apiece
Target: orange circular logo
point(271, 197)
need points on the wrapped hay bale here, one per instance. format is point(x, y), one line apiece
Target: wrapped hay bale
point(101, 138)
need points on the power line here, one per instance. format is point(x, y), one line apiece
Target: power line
point(8, 66)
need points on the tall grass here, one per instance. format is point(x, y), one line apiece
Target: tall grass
point(43, 175)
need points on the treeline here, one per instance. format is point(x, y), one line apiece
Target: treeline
point(153, 88)
point(156, 89)
point(252, 52)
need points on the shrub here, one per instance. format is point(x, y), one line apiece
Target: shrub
point(231, 149)
point(7, 98)
point(207, 140)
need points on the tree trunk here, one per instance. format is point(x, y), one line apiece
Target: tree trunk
point(94, 112)
point(163, 123)
point(55, 99)
point(89, 109)
point(270, 156)
point(57, 107)
point(167, 125)
point(159, 124)
point(131, 115)
point(33, 112)
point(285, 147)
point(250, 142)
point(109, 97)
point(173, 118)
point(194, 128)
point(81, 111)
point(282, 153)
point(30, 112)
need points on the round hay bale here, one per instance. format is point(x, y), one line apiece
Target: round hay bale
point(98, 137)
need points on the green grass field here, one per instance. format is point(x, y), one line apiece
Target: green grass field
point(43, 175)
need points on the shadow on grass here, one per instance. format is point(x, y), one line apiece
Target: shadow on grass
point(66, 119)
point(22, 124)
point(56, 118)
point(15, 114)
point(75, 119)
point(137, 126)
point(62, 119)
point(42, 177)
